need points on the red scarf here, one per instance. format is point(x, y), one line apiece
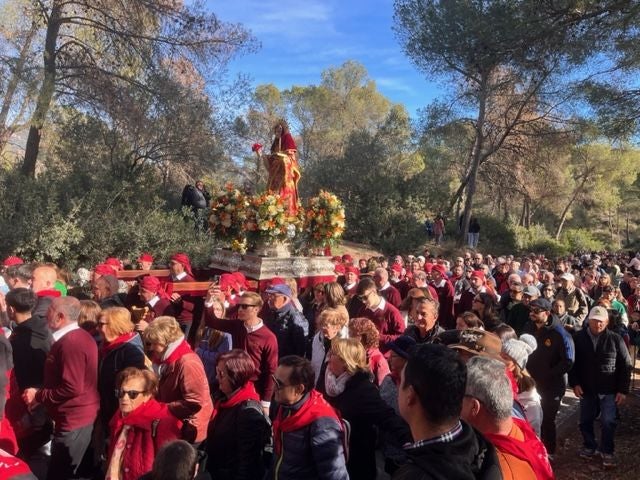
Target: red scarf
point(315, 407)
point(111, 346)
point(247, 392)
point(141, 418)
point(178, 353)
point(49, 293)
point(11, 466)
point(530, 450)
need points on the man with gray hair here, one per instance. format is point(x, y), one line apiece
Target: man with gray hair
point(69, 392)
point(487, 407)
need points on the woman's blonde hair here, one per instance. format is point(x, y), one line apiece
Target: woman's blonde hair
point(338, 317)
point(215, 336)
point(334, 294)
point(118, 320)
point(163, 331)
point(351, 352)
point(293, 285)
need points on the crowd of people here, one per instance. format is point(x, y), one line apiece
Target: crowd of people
point(415, 367)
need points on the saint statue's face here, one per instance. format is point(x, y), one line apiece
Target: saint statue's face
point(277, 130)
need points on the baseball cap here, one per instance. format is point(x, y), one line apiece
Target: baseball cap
point(599, 313)
point(541, 303)
point(401, 345)
point(479, 342)
point(531, 291)
point(568, 276)
point(280, 289)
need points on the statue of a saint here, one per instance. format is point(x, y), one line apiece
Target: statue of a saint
point(282, 166)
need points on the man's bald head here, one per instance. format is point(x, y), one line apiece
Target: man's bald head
point(44, 278)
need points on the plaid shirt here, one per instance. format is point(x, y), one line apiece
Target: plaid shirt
point(446, 437)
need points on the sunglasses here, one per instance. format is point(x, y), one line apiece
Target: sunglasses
point(245, 305)
point(537, 310)
point(132, 394)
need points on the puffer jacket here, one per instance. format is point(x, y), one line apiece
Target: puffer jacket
point(603, 370)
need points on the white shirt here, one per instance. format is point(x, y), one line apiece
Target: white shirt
point(253, 328)
point(153, 301)
point(58, 334)
point(180, 276)
point(381, 305)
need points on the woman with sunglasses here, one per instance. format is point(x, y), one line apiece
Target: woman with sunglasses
point(140, 426)
point(239, 430)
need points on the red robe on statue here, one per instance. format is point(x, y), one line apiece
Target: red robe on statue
point(284, 172)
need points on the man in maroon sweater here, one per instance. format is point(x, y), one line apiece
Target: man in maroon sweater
point(387, 318)
point(385, 289)
point(70, 392)
point(252, 335)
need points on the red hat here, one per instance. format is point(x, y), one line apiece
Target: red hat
point(113, 262)
point(183, 259)
point(396, 267)
point(428, 267)
point(353, 270)
point(103, 269)
point(276, 281)
point(11, 261)
point(145, 257)
point(346, 258)
point(339, 268)
point(336, 258)
point(240, 281)
point(479, 274)
point(150, 283)
point(226, 281)
point(440, 269)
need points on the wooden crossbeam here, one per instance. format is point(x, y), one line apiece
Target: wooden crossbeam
point(133, 274)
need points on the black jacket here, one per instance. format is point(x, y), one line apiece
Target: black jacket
point(468, 457)
point(361, 405)
point(550, 362)
point(129, 354)
point(291, 329)
point(603, 370)
point(235, 443)
point(31, 341)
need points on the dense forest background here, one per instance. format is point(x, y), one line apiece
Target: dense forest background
point(108, 108)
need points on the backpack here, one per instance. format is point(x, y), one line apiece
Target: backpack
point(267, 440)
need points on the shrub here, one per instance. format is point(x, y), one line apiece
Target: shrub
point(578, 239)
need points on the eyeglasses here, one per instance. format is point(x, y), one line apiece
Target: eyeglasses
point(537, 310)
point(102, 324)
point(246, 305)
point(132, 394)
point(279, 383)
point(364, 296)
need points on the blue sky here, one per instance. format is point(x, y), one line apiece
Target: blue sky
point(302, 38)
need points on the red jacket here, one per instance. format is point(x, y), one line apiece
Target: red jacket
point(151, 426)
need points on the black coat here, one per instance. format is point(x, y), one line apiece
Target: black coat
point(235, 442)
point(361, 405)
point(468, 457)
point(129, 354)
point(31, 341)
point(291, 329)
point(603, 370)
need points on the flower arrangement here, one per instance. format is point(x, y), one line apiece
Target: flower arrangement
point(324, 219)
point(267, 218)
point(228, 215)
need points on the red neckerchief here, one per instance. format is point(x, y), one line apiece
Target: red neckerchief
point(141, 418)
point(247, 392)
point(315, 407)
point(111, 346)
point(178, 353)
point(49, 293)
point(530, 450)
point(11, 466)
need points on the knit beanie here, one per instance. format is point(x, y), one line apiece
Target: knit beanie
point(518, 351)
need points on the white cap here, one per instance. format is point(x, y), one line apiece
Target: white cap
point(568, 276)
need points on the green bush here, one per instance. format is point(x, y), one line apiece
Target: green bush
point(495, 236)
point(60, 219)
point(549, 247)
point(577, 239)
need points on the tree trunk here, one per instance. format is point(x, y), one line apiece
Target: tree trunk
point(45, 96)
point(475, 161)
point(567, 207)
point(12, 87)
